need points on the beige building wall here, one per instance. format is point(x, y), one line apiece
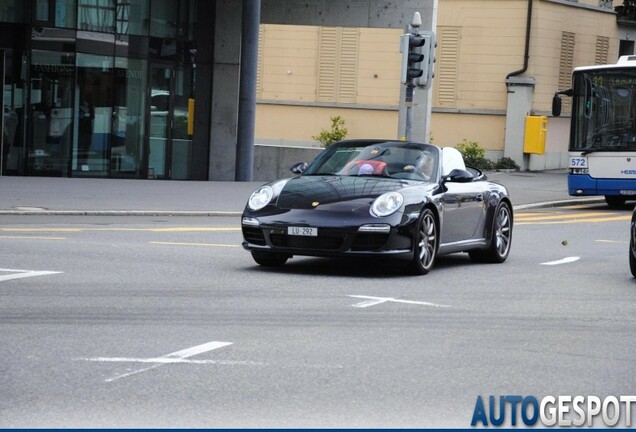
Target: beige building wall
point(308, 74)
point(549, 23)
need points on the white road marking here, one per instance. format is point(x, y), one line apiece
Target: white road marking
point(165, 360)
point(566, 260)
point(372, 301)
point(175, 357)
point(19, 274)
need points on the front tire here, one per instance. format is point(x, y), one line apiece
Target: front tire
point(426, 241)
point(632, 249)
point(499, 247)
point(269, 259)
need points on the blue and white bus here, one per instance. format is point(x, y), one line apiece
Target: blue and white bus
point(602, 148)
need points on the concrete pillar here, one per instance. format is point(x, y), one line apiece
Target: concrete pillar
point(225, 90)
point(247, 98)
point(422, 98)
point(520, 94)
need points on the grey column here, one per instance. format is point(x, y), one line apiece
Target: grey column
point(247, 93)
point(225, 90)
point(520, 95)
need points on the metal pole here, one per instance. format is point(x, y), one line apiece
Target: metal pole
point(247, 92)
point(409, 111)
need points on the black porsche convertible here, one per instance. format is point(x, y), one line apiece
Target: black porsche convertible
point(380, 198)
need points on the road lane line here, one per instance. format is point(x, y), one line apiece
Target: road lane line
point(193, 244)
point(33, 237)
point(169, 361)
point(372, 301)
point(574, 220)
point(559, 215)
point(173, 229)
point(20, 274)
point(177, 355)
point(566, 260)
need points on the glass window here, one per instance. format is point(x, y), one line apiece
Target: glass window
point(163, 19)
point(13, 11)
point(97, 15)
point(132, 17)
point(65, 13)
point(12, 133)
point(42, 10)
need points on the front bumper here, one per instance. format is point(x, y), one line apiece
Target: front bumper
point(332, 239)
point(584, 184)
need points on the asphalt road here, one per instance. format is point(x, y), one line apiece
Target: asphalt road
point(167, 322)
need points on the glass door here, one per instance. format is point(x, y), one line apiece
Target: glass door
point(51, 113)
point(4, 146)
point(94, 111)
point(128, 118)
point(161, 120)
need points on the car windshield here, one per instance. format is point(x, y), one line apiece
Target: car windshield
point(393, 159)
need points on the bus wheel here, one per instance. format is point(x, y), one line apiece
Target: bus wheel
point(615, 201)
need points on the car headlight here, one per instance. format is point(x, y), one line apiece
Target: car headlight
point(387, 204)
point(260, 198)
point(264, 195)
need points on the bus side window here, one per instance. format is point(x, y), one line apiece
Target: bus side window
point(588, 97)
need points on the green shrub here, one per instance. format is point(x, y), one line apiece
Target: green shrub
point(337, 132)
point(506, 163)
point(474, 155)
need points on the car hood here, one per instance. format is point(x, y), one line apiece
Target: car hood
point(304, 192)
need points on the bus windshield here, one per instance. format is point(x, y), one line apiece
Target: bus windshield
point(604, 110)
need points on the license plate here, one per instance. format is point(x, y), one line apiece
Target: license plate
point(302, 231)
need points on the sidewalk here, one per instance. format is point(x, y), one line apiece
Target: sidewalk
point(67, 196)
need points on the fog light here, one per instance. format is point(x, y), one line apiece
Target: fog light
point(375, 228)
point(251, 221)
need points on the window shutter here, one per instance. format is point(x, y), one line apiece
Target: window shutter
point(337, 64)
point(447, 66)
point(327, 64)
point(565, 65)
point(259, 67)
point(348, 70)
point(602, 49)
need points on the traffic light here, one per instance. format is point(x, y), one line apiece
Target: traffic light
point(428, 63)
point(418, 56)
point(412, 48)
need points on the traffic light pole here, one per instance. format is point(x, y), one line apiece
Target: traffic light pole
point(409, 111)
point(417, 48)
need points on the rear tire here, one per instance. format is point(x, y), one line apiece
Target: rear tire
point(615, 201)
point(269, 259)
point(501, 238)
point(632, 248)
point(426, 241)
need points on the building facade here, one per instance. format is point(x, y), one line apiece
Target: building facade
point(485, 82)
point(98, 88)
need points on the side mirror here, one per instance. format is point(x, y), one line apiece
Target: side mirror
point(556, 105)
point(459, 176)
point(299, 168)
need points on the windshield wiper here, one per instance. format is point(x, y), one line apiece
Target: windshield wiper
point(605, 149)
